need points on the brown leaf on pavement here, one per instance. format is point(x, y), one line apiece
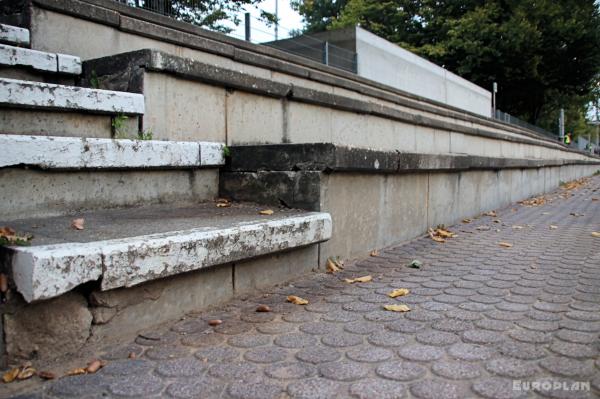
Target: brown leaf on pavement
point(78, 223)
point(266, 212)
point(215, 322)
point(363, 279)
point(46, 375)
point(11, 375)
point(553, 227)
point(595, 234)
point(333, 265)
point(491, 213)
point(94, 366)
point(26, 373)
point(374, 253)
point(263, 308)
point(296, 300)
point(397, 308)
point(467, 220)
point(505, 244)
point(398, 292)
point(76, 371)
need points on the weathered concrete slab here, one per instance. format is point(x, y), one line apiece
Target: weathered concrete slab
point(12, 56)
point(14, 35)
point(128, 247)
point(92, 153)
point(19, 93)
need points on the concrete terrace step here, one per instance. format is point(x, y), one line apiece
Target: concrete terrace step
point(11, 56)
point(92, 153)
point(54, 97)
point(123, 248)
point(14, 35)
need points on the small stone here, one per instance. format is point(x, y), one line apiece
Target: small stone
point(263, 308)
point(215, 322)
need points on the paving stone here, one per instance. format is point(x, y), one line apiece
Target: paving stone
point(582, 326)
point(387, 338)
point(202, 339)
point(543, 326)
point(482, 337)
point(342, 340)
point(522, 351)
point(494, 325)
point(244, 390)
point(378, 388)
point(123, 352)
point(567, 367)
point(248, 341)
point(382, 316)
point(452, 325)
point(470, 352)
point(369, 354)
point(400, 370)
point(300, 317)
point(80, 385)
point(531, 336)
point(423, 315)
point(295, 340)
point(455, 370)
point(578, 351)
point(275, 328)
point(257, 317)
point(233, 327)
point(319, 328)
point(362, 327)
point(266, 354)
point(436, 338)
point(130, 366)
point(236, 371)
point(317, 388)
point(511, 368)
point(204, 387)
point(435, 389)
point(318, 354)
point(133, 385)
point(217, 354)
point(290, 370)
point(576, 336)
point(189, 326)
point(497, 388)
point(340, 317)
point(343, 370)
point(187, 367)
point(422, 353)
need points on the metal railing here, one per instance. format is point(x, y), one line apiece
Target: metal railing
point(513, 120)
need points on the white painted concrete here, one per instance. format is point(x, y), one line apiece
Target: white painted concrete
point(59, 97)
point(14, 35)
point(385, 62)
point(91, 153)
point(39, 60)
point(42, 272)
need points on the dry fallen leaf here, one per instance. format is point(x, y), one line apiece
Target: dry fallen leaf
point(363, 279)
point(517, 227)
point(296, 300)
point(263, 308)
point(398, 292)
point(78, 223)
point(595, 234)
point(94, 366)
point(215, 322)
point(9, 236)
point(3, 283)
point(396, 308)
point(505, 244)
point(77, 371)
point(46, 375)
point(444, 233)
point(11, 375)
point(467, 220)
point(374, 253)
point(553, 227)
point(266, 212)
point(26, 373)
point(491, 213)
point(223, 204)
point(333, 265)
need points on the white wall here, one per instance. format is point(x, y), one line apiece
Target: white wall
point(385, 62)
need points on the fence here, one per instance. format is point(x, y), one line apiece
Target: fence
point(504, 117)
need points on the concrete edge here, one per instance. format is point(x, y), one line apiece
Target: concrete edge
point(12, 56)
point(159, 61)
point(14, 35)
point(149, 24)
point(328, 157)
point(48, 271)
point(49, 96)
point(48, 152)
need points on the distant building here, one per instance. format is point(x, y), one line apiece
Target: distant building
point(358, 50)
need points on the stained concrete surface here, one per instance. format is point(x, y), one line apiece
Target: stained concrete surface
point(482, 316)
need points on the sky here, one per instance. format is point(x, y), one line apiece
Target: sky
point(288, 20)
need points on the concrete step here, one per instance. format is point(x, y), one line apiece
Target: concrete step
point(12, 56)
point(36, 108)
point(49, 176)
point(14, 35)
point(123, 248)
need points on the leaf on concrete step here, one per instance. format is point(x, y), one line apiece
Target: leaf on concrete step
point(46, 375)
point(398, 292)
point(505, 244)
point(77, 371)
point(517, 227)
point(491, 213)
point(333, 265)
point(26, 373)
point(553, 227)
point(397, 308)
point(595, 234)
point(374, 253)
point(94, 366)
point(363, 279)
point(215, 322)
point(263, 308)
point(266, 212)
point(11, 375)
point(296, 300)
point(466, 220)
point(78, 223)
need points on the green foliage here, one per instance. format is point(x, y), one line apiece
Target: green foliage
point(20, 242)
point(145, 135)
point(94, 82)
point(226, 152)
point(211, 14)
point(119, 126)
point(544, 54)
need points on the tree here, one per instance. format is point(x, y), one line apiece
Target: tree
point(211, 14)
point(318, 14)
point(544, 54)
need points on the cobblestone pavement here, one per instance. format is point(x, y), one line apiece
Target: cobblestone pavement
point(482, 316)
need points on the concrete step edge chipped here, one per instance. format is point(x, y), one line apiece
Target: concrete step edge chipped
point(14, 35)
point(49, 152)
point(43, 272)
point(48, 96)
point(12, 56)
